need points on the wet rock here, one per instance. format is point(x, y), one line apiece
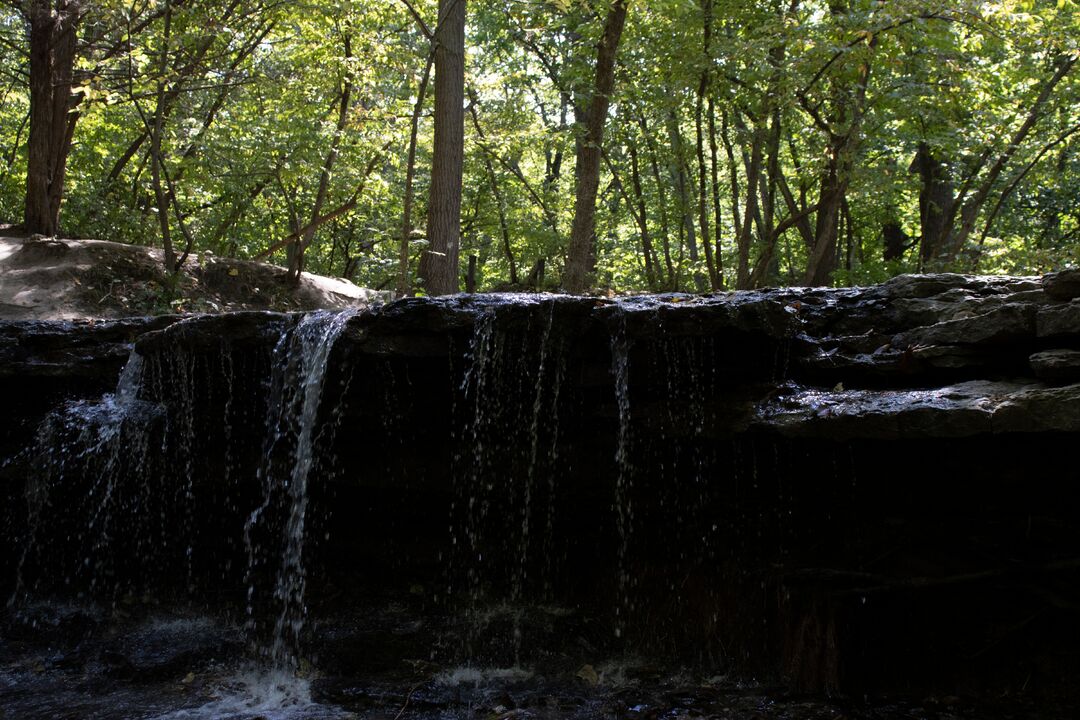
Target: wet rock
point(202, 331)
point(60, 624)
point(170, 648)
point(965, 409)
point(94, 350)
point(1056, 365)
point(1063, 285)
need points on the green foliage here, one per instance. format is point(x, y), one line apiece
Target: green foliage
point(247, 101)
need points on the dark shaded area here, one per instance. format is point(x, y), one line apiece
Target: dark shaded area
point(784, 484)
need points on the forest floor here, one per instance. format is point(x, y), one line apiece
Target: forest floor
point(66, 279)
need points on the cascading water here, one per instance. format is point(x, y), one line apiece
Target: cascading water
point(620, 370)
point(142, 460)
point(506, 494)
point(300, 365)
point(108, 443)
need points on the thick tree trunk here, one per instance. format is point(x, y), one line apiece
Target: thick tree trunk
point(52, 110)
point(439, 265)
point(935, 203)
point(587, 174)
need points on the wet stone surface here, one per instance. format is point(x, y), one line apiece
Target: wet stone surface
point(207, 677)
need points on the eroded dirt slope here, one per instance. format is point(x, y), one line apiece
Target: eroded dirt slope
point(47, 278)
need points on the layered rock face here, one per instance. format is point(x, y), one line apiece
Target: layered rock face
point(848, 488)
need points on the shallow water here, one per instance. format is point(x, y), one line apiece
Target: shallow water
point(67, 661)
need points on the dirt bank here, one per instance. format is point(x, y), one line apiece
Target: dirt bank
point(47, 278)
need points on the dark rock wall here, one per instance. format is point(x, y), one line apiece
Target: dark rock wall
point(845, 487)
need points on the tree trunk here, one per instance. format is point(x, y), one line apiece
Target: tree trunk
point(969, 210)
point(587, 173)
point(767, 266)
point(439, 265)
point(680, 178)
point(161, 199)
point(717, 216)
point(935, 203)
point(665, 233)
point(848, 107)
point(500, 202)
point(52, 110)
point(296, 259)
point(750, 209)
point(643, 220)
point(403, 287)
point(699, 129)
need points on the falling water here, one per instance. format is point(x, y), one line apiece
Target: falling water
point(477, 384)
point(505, 469)
point(549, 375)
point(296, 396)
point(620, 369)
point(108, 439)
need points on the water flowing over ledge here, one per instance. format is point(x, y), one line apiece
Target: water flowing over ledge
point(858, 488)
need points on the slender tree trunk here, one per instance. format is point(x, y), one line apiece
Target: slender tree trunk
point(53, 116)
point(439, 265)
point(703, 187)
point(750, 209)
point(717, 215)
point(680, 173)
point(156, 160)
point(699, 129)
point(643, 220)
point(403, 286)
point(587, 174)
point(500, 202)
point(665, 232)
point(969, 208)
point(733, 173)
point(296, 258)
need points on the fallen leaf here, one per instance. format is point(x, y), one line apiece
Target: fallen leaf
point(589, 675)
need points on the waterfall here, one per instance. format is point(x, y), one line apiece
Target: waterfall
point(505, 468)
point(620, 369)
point(126, 480)
point(300, 365)
point(106, 443)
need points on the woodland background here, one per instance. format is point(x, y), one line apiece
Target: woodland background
point(745, 144)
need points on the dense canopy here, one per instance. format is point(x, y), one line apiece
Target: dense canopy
point(743, 144)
